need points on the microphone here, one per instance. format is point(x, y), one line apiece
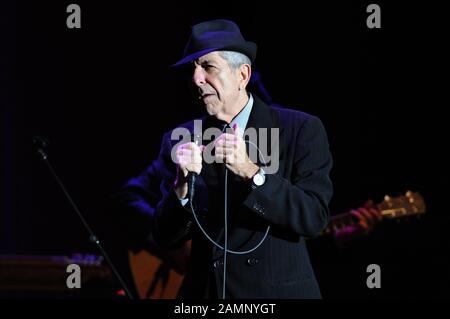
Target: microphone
point(192, 175)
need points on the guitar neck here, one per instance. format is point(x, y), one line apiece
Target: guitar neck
point(339, 221)
point(391, 207)
point(346, 219)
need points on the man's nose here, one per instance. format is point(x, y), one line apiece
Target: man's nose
point(198, 78)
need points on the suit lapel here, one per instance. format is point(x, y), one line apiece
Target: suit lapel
point(264, 116)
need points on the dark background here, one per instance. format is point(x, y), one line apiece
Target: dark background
point(103, 95)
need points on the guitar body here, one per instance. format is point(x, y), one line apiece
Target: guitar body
point(157, 277)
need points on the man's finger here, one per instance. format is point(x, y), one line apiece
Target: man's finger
point(236, 130)
point(375, 213)
point(226, 143)
point(220, 158)
point(228, 137)
point(367, 215)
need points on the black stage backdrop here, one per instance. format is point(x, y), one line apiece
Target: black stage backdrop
point(103, 95)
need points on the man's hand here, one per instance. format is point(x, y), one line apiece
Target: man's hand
point(189, 159)
point(366, 218)
point(230, 149)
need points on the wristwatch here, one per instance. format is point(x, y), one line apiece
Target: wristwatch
point(259, 178)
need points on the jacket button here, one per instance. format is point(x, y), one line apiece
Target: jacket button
point(218, 263)
point(252, 261)
point(258, 208)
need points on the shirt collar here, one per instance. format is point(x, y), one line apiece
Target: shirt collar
point(242, 118)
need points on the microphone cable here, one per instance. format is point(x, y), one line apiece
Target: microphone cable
point(225, 247)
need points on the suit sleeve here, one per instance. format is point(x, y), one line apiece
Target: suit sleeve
point(172, 222)
point(299, 204)
point(152, 205)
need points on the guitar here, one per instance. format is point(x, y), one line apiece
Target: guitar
point(158, 279)
point(412, 203)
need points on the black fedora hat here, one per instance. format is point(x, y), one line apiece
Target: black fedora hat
point(216, 35)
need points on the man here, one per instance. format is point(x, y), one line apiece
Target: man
point(257, 218)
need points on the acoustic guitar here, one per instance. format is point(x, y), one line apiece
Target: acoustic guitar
point(410, 204)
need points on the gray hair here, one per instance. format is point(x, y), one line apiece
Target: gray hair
point(235, 59)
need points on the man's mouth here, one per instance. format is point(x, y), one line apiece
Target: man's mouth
point(205, 95)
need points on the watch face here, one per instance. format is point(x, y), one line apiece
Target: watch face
point(258, 179)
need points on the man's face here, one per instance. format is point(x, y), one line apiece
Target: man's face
point(216, 83)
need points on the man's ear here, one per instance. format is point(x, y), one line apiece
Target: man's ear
point(245, 72)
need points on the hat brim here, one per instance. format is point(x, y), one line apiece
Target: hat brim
point(248, 48)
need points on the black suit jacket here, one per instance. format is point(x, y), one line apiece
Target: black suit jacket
point(293, 202)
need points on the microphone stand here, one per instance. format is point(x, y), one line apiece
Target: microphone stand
point(41, 143)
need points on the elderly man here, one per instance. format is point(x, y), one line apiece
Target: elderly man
point(247, 223)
